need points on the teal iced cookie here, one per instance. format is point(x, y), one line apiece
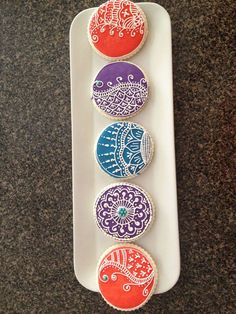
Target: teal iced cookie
point(124, 149)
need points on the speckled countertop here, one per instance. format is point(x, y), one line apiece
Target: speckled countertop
point(36, 263)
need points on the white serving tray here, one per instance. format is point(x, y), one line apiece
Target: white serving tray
point(159, 179)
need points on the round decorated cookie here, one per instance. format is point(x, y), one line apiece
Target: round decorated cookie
point(117, 29)
point(127, 277)
point(123, 211)
point(124, 149)
point(120, 90)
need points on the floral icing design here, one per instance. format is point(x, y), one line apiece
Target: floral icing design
point(116, 16)
point(123, 211)
point(130, 272)
point(124, 149)
point(120, 89)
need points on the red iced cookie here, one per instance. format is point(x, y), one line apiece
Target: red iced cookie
point(117, 29)
point(127, 276)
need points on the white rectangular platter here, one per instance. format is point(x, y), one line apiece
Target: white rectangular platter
point(159, 179)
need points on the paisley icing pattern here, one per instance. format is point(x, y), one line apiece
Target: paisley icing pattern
point(120, 89)
point(117, 28)
point(123, 211)
point(130, 272)
point(124, 149)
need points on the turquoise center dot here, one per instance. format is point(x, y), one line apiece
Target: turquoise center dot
point(105, 277)
point(122, 212)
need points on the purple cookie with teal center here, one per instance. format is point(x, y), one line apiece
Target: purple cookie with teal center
point(120, 90)
point(123, 211)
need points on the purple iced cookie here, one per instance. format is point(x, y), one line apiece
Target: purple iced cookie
point(123, 211)
point(120, 90)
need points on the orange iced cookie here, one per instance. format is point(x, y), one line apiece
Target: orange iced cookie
point(117, 29)
point(127, 277)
